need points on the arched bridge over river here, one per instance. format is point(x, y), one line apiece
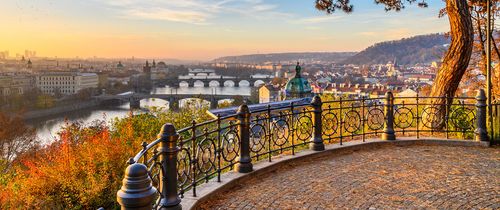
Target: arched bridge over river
point(216, 80)
point(173, 99)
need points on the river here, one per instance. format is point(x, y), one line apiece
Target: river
point(47, 128)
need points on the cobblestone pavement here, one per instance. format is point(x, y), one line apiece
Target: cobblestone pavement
point(390, 177)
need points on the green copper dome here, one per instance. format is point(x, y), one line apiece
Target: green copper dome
point(298, 86)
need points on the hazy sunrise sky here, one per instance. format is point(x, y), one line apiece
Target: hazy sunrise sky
point(201, 29)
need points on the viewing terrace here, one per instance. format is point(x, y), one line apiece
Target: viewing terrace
point(391, 152)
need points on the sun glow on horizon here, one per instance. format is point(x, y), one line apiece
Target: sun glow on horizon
point(201, 30)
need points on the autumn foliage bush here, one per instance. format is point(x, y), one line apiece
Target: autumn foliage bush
point(84, 167)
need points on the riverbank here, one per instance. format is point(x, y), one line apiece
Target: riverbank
point(31, 115)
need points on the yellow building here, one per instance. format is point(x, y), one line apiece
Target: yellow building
point(269, 93)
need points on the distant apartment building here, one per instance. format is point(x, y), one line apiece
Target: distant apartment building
point(66, 83)
point(17, 84)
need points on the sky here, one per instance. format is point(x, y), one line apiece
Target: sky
point(202, 29)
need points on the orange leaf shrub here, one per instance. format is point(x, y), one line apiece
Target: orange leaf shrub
point(84, 168)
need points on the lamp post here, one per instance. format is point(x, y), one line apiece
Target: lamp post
point(488, 67)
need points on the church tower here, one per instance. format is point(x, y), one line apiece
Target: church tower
point(298, 87)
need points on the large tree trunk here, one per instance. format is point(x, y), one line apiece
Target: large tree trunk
point(454, 64)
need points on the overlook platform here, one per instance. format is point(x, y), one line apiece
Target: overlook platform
point(450, 175)
point(389, 153)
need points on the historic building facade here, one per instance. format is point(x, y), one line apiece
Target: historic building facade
point(66, 83)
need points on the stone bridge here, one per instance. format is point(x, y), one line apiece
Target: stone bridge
point(218, 80)
point(173, 99)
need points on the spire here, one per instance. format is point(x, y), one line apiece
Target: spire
point(154, 63)
point(30, 64)
point(147, 63)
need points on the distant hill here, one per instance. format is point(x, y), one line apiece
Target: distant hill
point(413, 50)
point(307, 57)
point(407, 51)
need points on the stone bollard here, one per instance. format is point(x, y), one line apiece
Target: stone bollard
point(317, 138)
point(137, 192)
point(481, 133)
point(168, 150)
point(389, 117)
point(244, 164)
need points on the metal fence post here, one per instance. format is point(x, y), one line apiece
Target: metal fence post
point(389, 117)
point(244, 164)
point(137, 191)
point(481, 133)
point(317, 138)
point(168, 150)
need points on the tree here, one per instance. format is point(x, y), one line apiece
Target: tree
point(15, 139)
point(45, 101)
point(279, 81)
point(478, 59)
point(238, 100)
point(456, 59)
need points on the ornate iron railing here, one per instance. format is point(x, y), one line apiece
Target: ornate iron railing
point(178, 161)
point(495, 121)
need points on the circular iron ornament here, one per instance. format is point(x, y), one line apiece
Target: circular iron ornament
point(304, 127)
point(257, 138)
point(431, 118)
point(183, 168)
point(280, 131)
point(403, 117)
point(330, 123)
point(376, 118)
point(206, 155)
point(230, 145)
point(463, 118)
point(352, 121)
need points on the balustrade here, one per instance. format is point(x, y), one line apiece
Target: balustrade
point(179, 160)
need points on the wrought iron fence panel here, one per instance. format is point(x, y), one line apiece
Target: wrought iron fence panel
point(206, 150)
point(421, 115)
point(352, 118)
point(259, 138)
point(495, 127)
point(330, 122)
point(303, 125)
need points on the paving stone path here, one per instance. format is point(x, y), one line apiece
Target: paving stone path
point(388, 177)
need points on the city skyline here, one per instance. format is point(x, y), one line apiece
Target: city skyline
point(202, 30)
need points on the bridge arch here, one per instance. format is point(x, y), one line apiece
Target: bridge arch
point(258, 83)
point(114, 101)
point(183, 84)
point(214, 83)
point(244, 83)
point(198, 83)
point(229, 83)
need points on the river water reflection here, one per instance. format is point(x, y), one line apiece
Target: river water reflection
point(47, 128)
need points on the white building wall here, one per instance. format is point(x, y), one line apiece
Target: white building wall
point(66, 83)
